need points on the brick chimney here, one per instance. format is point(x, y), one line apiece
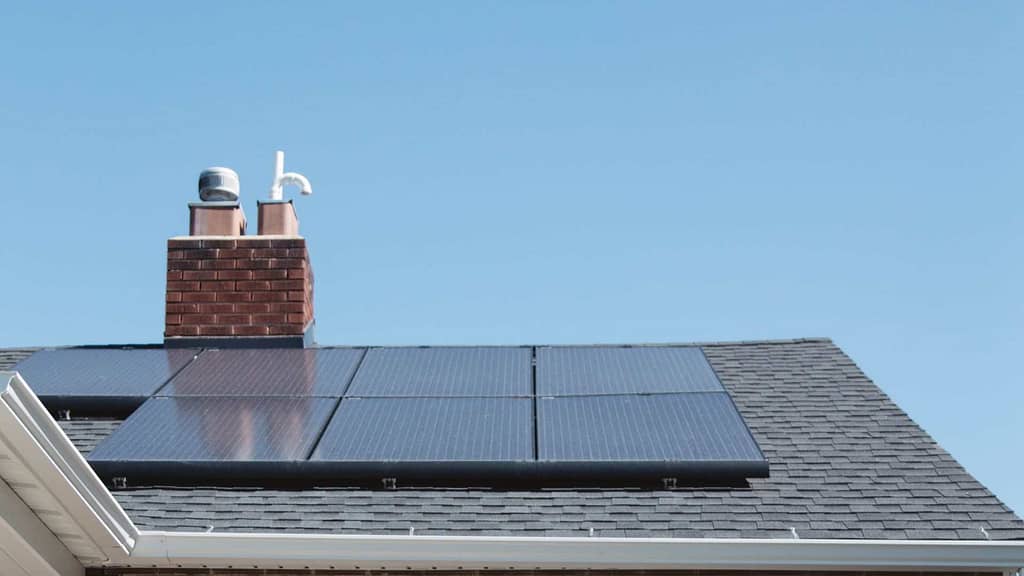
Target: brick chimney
point(226, 289)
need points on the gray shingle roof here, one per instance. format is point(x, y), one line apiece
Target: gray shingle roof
point(846, 462)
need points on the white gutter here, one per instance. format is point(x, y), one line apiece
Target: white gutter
point(59, 487)
point(365, 552)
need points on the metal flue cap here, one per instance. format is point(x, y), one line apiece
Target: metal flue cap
point(218, 184)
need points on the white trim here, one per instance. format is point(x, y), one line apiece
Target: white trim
point(27, 547)
point(358, 552)
point(46, 467)
point(79, 509)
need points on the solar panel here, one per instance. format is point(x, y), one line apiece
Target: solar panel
point(426, 372)
point(683, 428)
point(105, 379)
point(196, 429)
point(429, 430)
point(564, 371)
point(267, 372)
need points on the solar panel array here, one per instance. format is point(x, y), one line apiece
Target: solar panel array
point(101, 379)
point(437, 415)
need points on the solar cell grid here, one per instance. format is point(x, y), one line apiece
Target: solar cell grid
point(429, 429)
point(586, 370)
point(218, 429)
point(444, 372)
point(267, 372)
point(664, 427)
point(103, 378)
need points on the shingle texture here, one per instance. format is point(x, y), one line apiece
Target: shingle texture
point(846, 462)
point(86, 434)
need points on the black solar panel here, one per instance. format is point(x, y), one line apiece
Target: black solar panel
point(664, 427)
point(218, 429)
point(424, 416)
point(586, 370)
point(267, 372)
point(109, 379)
point(429, 430)
point(426, 372)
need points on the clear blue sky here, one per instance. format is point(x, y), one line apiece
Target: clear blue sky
point(540, 172)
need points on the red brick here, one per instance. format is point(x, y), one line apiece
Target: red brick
point(173, 275)
point(197, 319)
point(287, 307)
point(199, 275)
point(233, 297)
point(182, 286)
point(215, 330)
point(296, 253)
point(296, 296)
point(255, 285)
point(269, 318)
point(176, 254)
point(297, 318)
point(218, 285)
point(284, 329)
point(253, 307)
point(288, 243)
point(219, 243)
point(254, 264)
point(234, 274)
point(172, 319)
point(182, 331)
point(219, 264)
point(183, 264)
point(289, 263)
point(235, 253)
point(249, 330)
point(216, 308)
point(269, 296)
point(200, 254)
point(183, 309)
point(297, 274)
point(269, 274)
point(287, 285)
point(199, 297)
point(270, 253)
point(178, 243)
point(234, 319)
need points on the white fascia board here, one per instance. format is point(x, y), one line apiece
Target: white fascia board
point(45, 465)
point(27, 546)
point(359, 552)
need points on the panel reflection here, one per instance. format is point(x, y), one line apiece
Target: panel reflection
point(219, 429)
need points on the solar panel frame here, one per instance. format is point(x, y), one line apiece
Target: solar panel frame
point(482, 371)
point(271, 372)
point(687, 434)
point(590, 370)
point(429, 430)
point(107, 381)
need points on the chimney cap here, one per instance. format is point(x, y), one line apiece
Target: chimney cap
point(219, 184)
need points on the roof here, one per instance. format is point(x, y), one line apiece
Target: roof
point(846, 463)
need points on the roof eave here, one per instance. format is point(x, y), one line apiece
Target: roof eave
point(370, 552)
point(46, 471)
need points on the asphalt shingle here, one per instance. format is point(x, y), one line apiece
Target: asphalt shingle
point(846, 462)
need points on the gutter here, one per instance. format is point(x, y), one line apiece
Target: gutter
point(53, 479)
point(370, 552)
